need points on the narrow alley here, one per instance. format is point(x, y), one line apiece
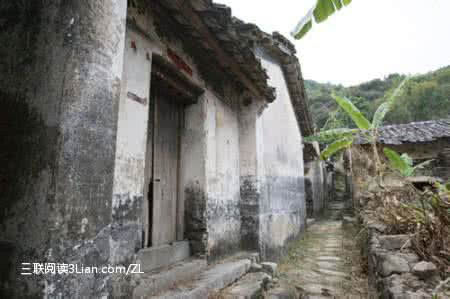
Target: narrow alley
point(327, 262)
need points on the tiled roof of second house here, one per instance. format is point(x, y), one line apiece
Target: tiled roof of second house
point(414, 132)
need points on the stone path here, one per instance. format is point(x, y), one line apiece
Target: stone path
point(326, 263)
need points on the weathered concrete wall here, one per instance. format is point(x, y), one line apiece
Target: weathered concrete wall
point(251, 172)
point(74, 164)
point(283, 208)
point(193, 176)
point(130, 160)
point(127, 203)
point(59, 89)
point(316, 187)
point(209, 159)
point(222, 172)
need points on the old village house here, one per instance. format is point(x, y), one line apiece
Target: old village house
point(422, 141)
point(148, 132)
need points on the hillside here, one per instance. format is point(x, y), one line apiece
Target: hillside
point(424, 97)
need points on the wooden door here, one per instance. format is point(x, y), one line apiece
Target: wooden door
point(166, 146)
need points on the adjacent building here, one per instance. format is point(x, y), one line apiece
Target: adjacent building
point(422, 141)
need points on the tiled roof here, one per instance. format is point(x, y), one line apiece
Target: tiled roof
point(414, 132)
point(239, 40)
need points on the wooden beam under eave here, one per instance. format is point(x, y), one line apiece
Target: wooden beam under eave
point(223, 58)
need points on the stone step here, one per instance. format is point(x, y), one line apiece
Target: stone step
point(329, 280)
point(251, 286)
point(329, 265)
point(328, 258)
point(320, 289)
point(310, 221)
point(246, 255)
point(153, 258)
point(209, 282)
point(282, 292)
point(332, 273)
point(154, 283)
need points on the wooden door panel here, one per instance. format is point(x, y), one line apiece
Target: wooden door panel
point(165, 172)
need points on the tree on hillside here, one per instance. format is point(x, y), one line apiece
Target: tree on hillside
point(425, 97)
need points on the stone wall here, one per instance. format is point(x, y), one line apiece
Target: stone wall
point(394, 268)
point(395, 271)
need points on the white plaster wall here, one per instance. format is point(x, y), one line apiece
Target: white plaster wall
point(222, 174)
point(283, 196)
point(133, 119)
point(209, 168)
point(192, 171)
point(131, 146)
point(193, 144)
point(283, 153)
point(251, 141)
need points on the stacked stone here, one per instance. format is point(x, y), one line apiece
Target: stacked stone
point(395, 271)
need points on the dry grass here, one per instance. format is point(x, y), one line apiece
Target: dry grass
point(407, 210)
point(357, 261)
point(429, 231)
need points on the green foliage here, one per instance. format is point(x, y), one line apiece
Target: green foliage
point(352, 120)
point(342, 138)
point(329, 136)
point(402, 163)
point(326, 113)
point(335, 147)
point(421, 98)
point(395, 161)
point(352, 111)
point(339, 138)
point(380, 114)
point(319, 12)
point(425, 97)
point(384, 108)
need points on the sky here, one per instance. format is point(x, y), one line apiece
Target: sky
point(368, 39)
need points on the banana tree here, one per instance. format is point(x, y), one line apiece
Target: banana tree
point(319, 13)
point(338, 139)
point(403, 164)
